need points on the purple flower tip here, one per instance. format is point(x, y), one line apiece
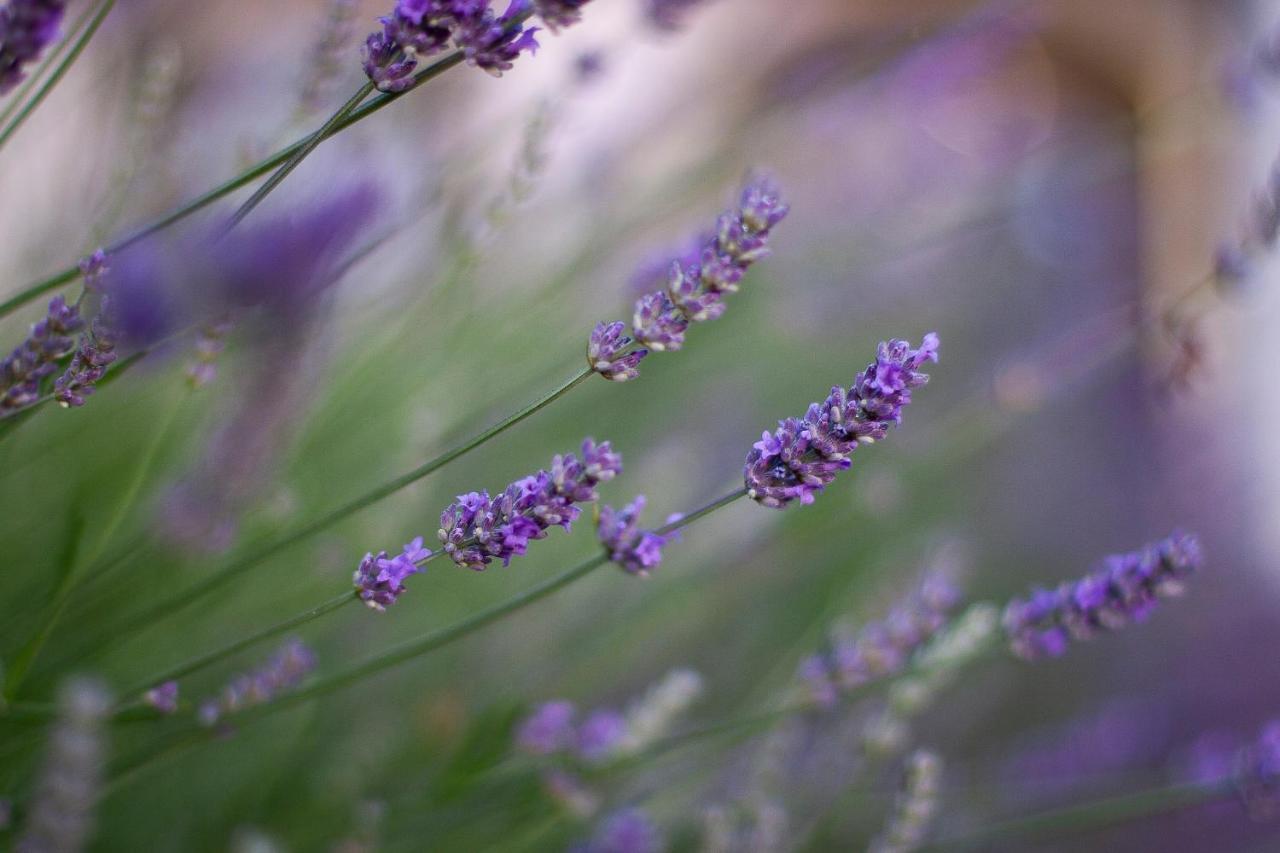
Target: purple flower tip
point(1123, 589)
point(163, 697)
point(379, 580)
point(610, 354)
point(635, 550)
point(548, 729)
point(801, 457)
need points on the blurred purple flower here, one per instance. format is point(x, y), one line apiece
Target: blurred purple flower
point(549, 729)
point(380, 580)
point(285, 670)
point(476, 529)
point(627, 831)
point(600, 735)
point(669, 15)
point(635, 550)
point(558, 14)
point(1124, 589)
point(26, 29)
point(802, 457)
point(1257, 773)
point(163, 697)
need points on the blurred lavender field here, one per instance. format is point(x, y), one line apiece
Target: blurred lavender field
point(1036, 612)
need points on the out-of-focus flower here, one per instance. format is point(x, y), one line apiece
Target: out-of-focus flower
point(803, 456)
point(380, 580)
point(1124, 589)
point(635, 550)
point(881, 648)
point(627, 831)
point(916, 806)
point(558, 14)
point(601, 734)
point(652, 716)
point(26, 29)
point(1257, 773)
point(476, 529)
point(284, 671)
point(761, 827)
point(328, 56)
point(695, 285)
point(210, 343)
point(548, 729)
point(163, 697)
point(61, 815)
point(669, 15)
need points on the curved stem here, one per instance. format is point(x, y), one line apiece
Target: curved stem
point(228, 573)
point(209, 658)
point(373, 105)
point(81, 43)
point(1093, 815)
point(312, 143)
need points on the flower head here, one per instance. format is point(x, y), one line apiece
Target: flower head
point(801, 457)
point(548, 729)
point(380, 580)
point(635, 550)
point(476, 529)
point(26, 29)
point(284, 671)
point(609, 353)
point(1123, 589)
point(36, 357)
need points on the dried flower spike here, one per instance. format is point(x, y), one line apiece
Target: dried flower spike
point(26, 29)
point(61, 816)
point(476, 529)
point(803, 456)
point(1124, 589)
point(285, 670)
point(916, 806)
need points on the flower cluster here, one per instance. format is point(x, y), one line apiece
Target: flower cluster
point(476, 529)
point(96, 351)
point(379, 580)
point(26, 28)
point(695, 288)
point(916, 806)
point(163, 697)
point(1124, 589)
point(605, 734)
point(881, 648)
point(284, 671)
point(628, 831)
point(61, 814)
point(421, 28)
point(1257, 773)
point(635, 550)
point(803, 455)
point(36, 357)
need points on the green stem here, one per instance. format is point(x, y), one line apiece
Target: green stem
point(254, 172)
point(81, 43)
point(209, 658)
point(228, 573)
point(1093, 815)
point(312, 143)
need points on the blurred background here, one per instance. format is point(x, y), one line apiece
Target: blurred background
point(1025, 178)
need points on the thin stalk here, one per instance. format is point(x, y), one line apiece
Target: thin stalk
point(416, 647)
point(197, 591)
point(1093, 815)
point(209, 658)
point(313, 142)
point(81, 43)
point(55, 280)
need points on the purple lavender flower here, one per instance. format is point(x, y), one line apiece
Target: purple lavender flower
point(549, 729)
point(600, 735)
point(1124, 589)
point(669, 15)
point(421, 28)
point(163, 697)
point(558, 14)
point(92, 269)
point(476, 529)
point(210, 343)
point(26, 29)
point(285, 670)
point(635, 550)
point(1257, 773)
point(882, 648)
point(97, 350)
point(36, 358)
point(609, 355)
point(380, 580)
point(627, 831)
point(659, 322)
point(802, 457)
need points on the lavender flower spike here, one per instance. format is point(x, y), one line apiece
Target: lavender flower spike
point(26, 29)
point(636, 551)
point(380, 580)
point(283, 672)
point(1124, 589)
point(476, 529)
point(37, 356)
point(916, 806)
point(610, 355)
point(549, 729)
point(97, 350)
point(800, 458)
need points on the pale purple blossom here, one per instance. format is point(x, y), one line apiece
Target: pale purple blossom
point(379, 580)
point(600, 735)
point(284, 671)
point(635, 550)
point(1123, 589)
point(1257, 773)
point(803, 456)
point(163, 697)
point(669, 15)
point(549, 729)
point(558, 14)
point(628, 831)
point(609, 352)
